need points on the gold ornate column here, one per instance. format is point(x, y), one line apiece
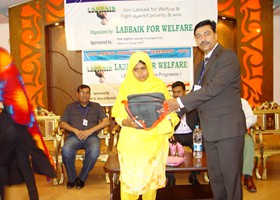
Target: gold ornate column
point(255, 44)
point(27, 36)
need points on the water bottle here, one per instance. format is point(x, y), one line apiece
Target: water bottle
point(197, 142)
point(197, 162)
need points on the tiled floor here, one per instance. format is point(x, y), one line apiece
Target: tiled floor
point(97, 189)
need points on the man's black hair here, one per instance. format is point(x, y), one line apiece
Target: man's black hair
point(178, 83)
point(82, 87)
point(204, 23)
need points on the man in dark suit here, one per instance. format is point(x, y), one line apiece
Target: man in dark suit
point(216, 96)
point(183, 131)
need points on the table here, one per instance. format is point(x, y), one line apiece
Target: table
point(202, 191)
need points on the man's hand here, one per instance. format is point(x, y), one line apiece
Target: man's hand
point(78, 133)
point(172, 105)
point(84, 134)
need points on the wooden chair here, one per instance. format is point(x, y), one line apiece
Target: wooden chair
point(54, 138)
point(266, 134)
point(103, 134)
point(115, 133)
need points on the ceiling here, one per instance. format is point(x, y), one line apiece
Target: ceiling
point(276, 7)
point(4, 5)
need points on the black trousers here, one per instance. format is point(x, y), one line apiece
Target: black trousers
point(15, 166)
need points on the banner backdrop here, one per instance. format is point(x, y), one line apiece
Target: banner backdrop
point(104, 71)
point(108, 32)
point(116, 25)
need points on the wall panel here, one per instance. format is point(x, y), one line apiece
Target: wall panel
point(245, 17)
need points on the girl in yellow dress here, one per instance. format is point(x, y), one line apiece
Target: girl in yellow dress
point(142, 153)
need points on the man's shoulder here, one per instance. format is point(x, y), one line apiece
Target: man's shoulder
point(73, 104)
point(221, 49)
point(94, 105)
point(223, 53)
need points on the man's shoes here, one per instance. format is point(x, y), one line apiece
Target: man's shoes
point(171, 181)
point(79, 183)
point(70, 185)
point(193, 180)
point(249, 184)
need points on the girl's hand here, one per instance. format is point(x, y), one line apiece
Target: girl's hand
point(131, 123)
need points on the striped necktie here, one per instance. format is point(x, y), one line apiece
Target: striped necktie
point(202, 70)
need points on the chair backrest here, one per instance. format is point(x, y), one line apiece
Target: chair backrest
point(48, 126)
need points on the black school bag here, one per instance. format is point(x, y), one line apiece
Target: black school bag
point(143, 108)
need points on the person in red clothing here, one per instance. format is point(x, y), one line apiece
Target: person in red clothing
point(21, 142)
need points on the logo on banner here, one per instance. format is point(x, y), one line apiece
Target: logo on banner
point(101, 12)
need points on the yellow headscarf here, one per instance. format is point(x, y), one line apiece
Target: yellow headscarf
point(131, 85)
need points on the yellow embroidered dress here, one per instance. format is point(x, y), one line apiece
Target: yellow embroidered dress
point(142, 154)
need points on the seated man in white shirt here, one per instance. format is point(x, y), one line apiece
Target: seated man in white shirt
point(248, 160)
point(184, 131)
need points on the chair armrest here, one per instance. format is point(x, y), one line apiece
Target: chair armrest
point(58, 131)
point(116, 130)
point(255, 132)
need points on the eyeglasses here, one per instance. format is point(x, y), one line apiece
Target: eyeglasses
point(84, 93)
